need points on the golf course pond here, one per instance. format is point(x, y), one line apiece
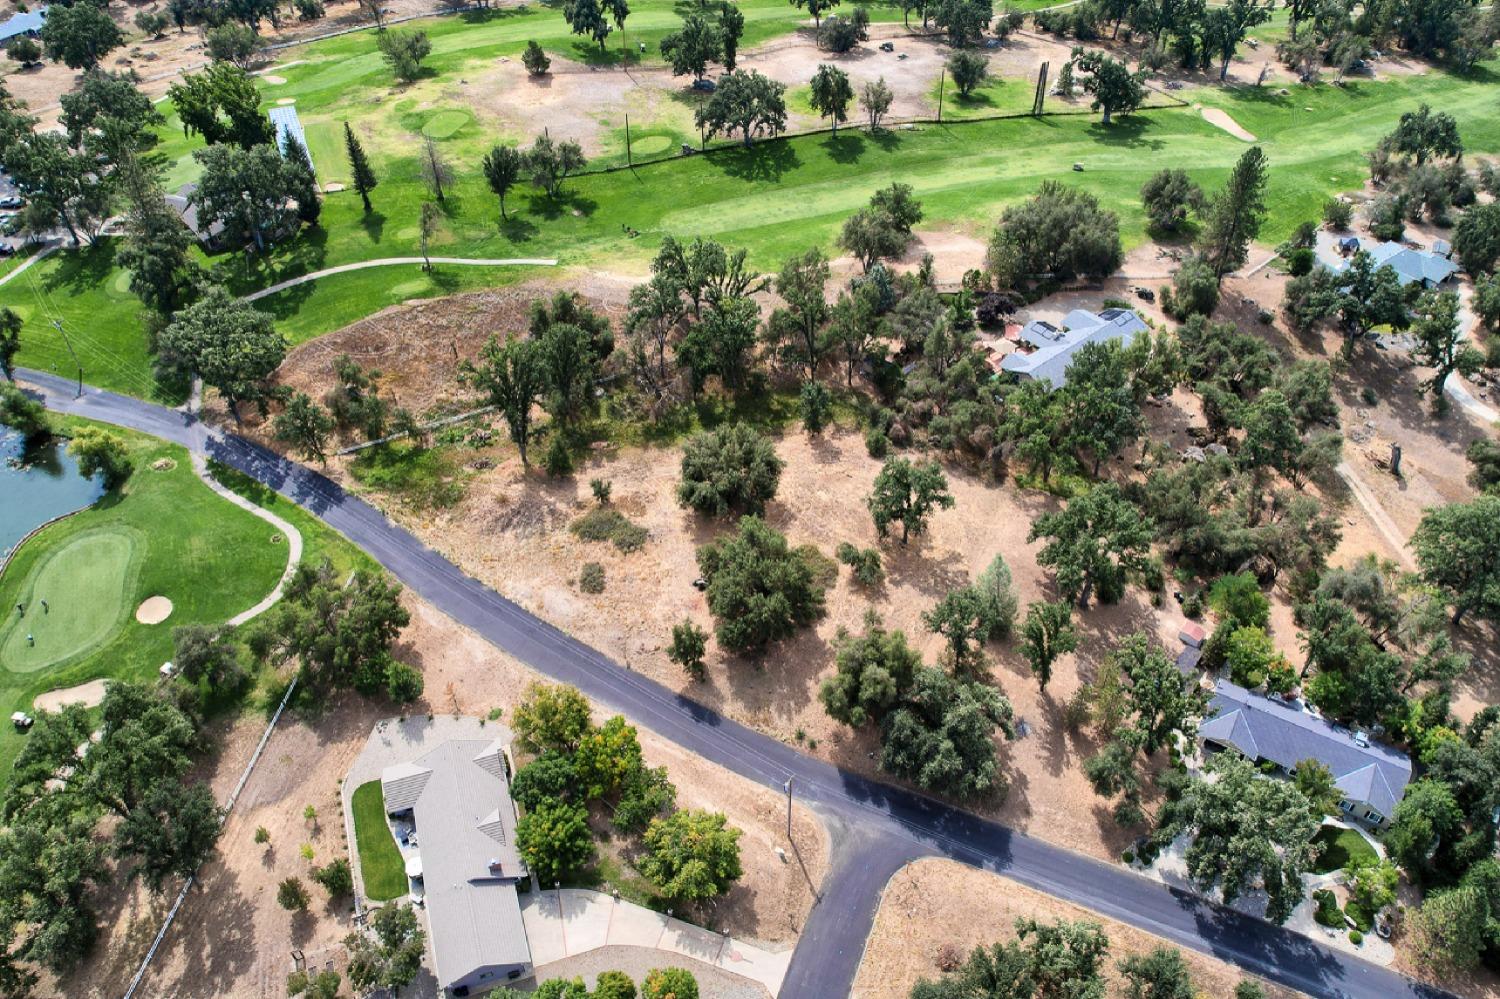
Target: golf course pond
point(37, 484)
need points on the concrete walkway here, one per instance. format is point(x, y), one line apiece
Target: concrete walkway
point(292, 535)
point(392, 261)
point(45, 251)
point(561, 924)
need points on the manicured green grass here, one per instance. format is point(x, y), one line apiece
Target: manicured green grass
point(775, 198)
point(379, 860)
point(85, 581)
point(207, 556)
point(1339, 847)
point(319, 541)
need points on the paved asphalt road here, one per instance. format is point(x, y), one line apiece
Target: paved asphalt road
point(876, 828)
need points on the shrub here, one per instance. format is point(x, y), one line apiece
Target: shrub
point(1300, 261)
point(291, 895)
point(403, 682)
point(601, 488)
point(815, 406)
point(591, 578)
point(608, 524)
point(262, 835)
point(336, 877)
point(731, 470)
point(1195, 290)
point(865, 562)
point(689, 643)
point(1356, 937)
point(878, 445)
point(1328, 912)
point(669, 983)
point(1337, 213)
point(558, 461)
point(536, 61)
point(759, 590)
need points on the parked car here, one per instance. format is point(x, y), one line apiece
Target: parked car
point(887, 47)
point(12, 201)
point(707, 86)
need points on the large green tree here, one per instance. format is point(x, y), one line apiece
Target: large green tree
point(80, 35)
point(874, 670)
point(906, 493)
point(1458, 550)
point(730, 470)
point(692, 47)
point(1247, 832)
point(744, 102)
point(759, 589)
point(692, 855)
point(511, 377)
point(831, 94)
point(1046, 634)
point(1061, 960)
point(942, 735)
point(1094, 543)
point(390, 954)
point(1234, 215)
point(231, 345)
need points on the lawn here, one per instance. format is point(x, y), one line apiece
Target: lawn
point(775, 198)
point(162, 532)
point(379, 860)
point(1340, 846)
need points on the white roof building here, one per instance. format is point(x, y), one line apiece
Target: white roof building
point(1052, 347)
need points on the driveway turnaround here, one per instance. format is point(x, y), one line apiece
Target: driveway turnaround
point(880, 828)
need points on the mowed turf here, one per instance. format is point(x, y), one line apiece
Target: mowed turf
point(775, 198)
point(84, 582)
point(379, 861)
point(186, 543)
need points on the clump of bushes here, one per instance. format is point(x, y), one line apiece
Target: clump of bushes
point(1328, 912)
point(591, 578)
point(864, 561)
point(608, 524)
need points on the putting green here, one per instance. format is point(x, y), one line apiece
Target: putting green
point(444, 124)
point(651, 145)
point(88, 584)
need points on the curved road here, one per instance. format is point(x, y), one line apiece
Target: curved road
point(876, 828)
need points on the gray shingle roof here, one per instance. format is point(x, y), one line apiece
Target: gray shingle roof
point(1410, 265)
point(466, 825)
point(1054, 347)
point(1265, 729)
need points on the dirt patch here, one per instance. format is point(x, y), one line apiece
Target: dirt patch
point(153, 610)
point(934, 903)
point(232, 939)
point(1219, 118)
point(87, 694)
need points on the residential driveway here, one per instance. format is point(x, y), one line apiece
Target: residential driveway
point(573, 921)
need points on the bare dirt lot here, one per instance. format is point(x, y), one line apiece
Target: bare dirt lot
point(936, 902)
point(232, 939)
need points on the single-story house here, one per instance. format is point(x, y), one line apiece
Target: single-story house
point(28, 24)
point(1372, 778)
point(457, 798)
point(1411, 266)
point(212, 238)
point(1047, 350)
point(284, 119)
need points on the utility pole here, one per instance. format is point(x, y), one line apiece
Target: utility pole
point(57, 324)
point(789, 809)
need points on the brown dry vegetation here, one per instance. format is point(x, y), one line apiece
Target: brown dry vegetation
point(232, 939)
point(933, 903)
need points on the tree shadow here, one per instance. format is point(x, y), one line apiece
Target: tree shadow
point(517, 229)
point(1125, 131)
point(845, 148)
point(763, 161)
point(552, 208)
point(373, 223)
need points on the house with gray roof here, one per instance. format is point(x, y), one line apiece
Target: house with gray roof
point(462, 860)
point(212, 235)
point(1372, 778)
point(1411, 266)
point(1047, 350)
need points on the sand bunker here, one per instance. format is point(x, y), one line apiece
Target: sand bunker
point(274, 81)
point(284, 101)
point(87, 694)
point(153, 610)
point(1221, 119)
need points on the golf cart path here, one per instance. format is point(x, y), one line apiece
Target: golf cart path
point(292, 535)
point(879, 827)
point(43, 252)
point(390, 261)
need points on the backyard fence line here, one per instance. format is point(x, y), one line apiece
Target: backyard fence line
point(234, 795)
point(1172, 103)
point(431, 425)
